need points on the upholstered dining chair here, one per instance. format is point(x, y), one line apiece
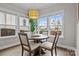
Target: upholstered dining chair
point(50, 46)
point(27, 44)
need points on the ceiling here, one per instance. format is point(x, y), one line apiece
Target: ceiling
point(27, 6)
point(24, 7)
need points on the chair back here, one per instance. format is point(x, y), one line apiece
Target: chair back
point(24, 40)
point(28, 34)
point(56, 37)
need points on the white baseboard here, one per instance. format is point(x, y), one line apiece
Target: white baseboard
point(8, 46)
point(67, 47)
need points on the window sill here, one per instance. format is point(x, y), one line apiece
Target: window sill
point(8, 36)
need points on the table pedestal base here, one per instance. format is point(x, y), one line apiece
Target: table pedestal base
point(37, 52)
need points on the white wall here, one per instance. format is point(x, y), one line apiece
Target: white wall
point(77, 32)
point(77, 39)
point(9, 41)
point(70, 18)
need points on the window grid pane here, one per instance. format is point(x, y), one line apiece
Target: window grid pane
point(42, 25)
point(24, 23)
point(10, 21)
point(56, 21)
point(13, 17)
point(2, 18)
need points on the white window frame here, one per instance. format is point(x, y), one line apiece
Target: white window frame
point(26, 22)
point(38, 25)
point(4, 25)
point(62, 36)
point(48, 23)
point(11, 21)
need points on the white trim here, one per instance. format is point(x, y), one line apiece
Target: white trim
point(4, 37)
point(8, 46)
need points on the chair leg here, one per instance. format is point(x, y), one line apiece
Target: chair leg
point(55, 51)
point(22, 51)
point(40, 51)
point(29, 53)
point(51, 52)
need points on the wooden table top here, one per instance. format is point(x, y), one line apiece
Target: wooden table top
point(41, 37)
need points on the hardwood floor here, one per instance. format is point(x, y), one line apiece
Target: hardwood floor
point(16, 51)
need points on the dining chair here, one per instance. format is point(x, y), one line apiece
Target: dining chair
point(50, 46)
point(27, 44)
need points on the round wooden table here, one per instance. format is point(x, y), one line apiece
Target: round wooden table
point(37, 39)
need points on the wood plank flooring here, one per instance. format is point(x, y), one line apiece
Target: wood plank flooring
point(16, 51)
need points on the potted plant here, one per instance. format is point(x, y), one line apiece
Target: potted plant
point(32, 25)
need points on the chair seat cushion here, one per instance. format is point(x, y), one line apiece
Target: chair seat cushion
point(33, 46)
point(47, 45)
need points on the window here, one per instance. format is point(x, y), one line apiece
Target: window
point(53, 21)
point(7, 24)
point(24, 23)
point(56, 21)
point(10, 21)
point(42, 25)
point(2, 19)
